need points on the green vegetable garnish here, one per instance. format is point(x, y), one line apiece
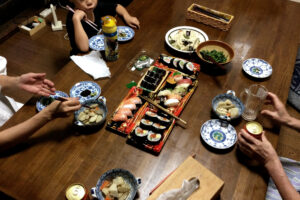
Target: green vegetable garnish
point(218, 56)
point(143, 57)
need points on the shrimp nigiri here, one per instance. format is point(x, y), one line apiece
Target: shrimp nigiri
point(133, 100)
point(130, 106)
point(125, 111)
point(119, 117)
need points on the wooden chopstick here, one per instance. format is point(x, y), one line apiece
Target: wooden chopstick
point(165, 110)
point(89, 22)
point(62, 99)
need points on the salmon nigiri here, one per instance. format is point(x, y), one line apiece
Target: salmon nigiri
point(125, 111)
point(119, 117)
point(133, 100)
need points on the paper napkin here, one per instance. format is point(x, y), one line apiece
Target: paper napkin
point(93, 64)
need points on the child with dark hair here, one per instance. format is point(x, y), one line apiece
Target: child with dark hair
point(79, 32)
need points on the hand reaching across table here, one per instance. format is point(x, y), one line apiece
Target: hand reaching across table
point(263, 151)
point(280, 113)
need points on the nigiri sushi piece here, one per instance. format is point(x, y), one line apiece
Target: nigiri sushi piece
point(118, 117)
point(125, 111)
point(164, 93)
point(185, 81)
point(178, 78)
point(174, 96)
point(133, 100)
point(130, 106)
point(171, 102)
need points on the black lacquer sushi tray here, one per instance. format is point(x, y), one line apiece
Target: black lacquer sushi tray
point(171, 89)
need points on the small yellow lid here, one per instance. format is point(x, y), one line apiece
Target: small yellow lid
point(254, 128)
point(109, 21)
point(75, 192)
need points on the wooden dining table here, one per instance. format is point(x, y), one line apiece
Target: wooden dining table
point(60, 154)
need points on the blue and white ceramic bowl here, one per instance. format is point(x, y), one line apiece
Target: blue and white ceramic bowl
point(125, 33)
point(97, 43)
point(101, 101)
point(85, 90)
point(257, 68)
point(113, 173)
point(218, 134)
point(39, 104)
point(223, 97)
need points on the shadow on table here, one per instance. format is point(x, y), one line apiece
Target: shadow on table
point(252, 165)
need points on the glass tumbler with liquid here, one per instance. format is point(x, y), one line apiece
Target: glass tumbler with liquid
point(253, 98)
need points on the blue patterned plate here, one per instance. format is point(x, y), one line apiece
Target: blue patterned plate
point(44, 101)
point(97, 42)
point(85, 90)
point(218, 134)
point(125, 33)
point(113, 173)
point(257, 68)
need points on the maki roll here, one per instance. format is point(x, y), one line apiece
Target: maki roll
point(146, 124)
point(151, 116)
point(158, 128)
point(164, 121)
point(166, 60)
point(189, 68)
point(160, 113)
point(181, 65)
point(154, 138)
point(175, 62)
point(140, 134)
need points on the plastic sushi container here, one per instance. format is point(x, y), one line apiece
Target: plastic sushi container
point(120, 124)
point(141, 61)
point(176, 91)
point(153, 79)
point(179, 64)
point(150, 134)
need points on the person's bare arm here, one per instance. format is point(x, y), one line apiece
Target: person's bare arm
point(130, 20)
point(22, 131)
point(263, 151)
point(81, 38)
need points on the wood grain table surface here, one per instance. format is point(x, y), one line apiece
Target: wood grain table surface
point(59, 154)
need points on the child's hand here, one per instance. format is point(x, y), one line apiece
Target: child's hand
point(79, 15)
point(132, 21)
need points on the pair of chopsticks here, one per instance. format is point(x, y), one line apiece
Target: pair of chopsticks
point(89, 22)
point(62, 99)
point(184, 123)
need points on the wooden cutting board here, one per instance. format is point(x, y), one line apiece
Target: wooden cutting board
point(210, 184)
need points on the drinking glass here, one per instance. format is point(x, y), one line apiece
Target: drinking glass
point(253, 98)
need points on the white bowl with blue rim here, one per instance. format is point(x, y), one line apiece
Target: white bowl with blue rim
point(45, 101)
point(85, 90)
point(230, 94)
point(257, 68)
point(101, 101)
point(218, 134)
point(128, 177)
point(97, 42)
point(125, 33)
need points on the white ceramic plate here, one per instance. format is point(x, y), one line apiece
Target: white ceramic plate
point(218, 134)
point(201, 35)
point(257, 68)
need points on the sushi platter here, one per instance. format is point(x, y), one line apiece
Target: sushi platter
point(148, 125)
